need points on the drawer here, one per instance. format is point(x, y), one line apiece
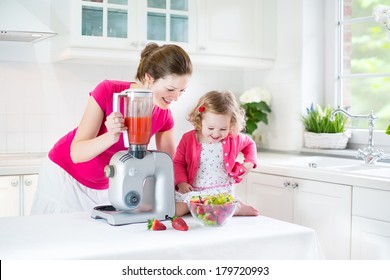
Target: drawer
point(371, 203)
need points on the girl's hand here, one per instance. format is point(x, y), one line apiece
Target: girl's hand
point(184, 188)
point(248, 167)
point(240, 170)
point(115, 124)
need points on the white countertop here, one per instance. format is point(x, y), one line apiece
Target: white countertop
point(277, 163)
point(21, 163)
point(78, 236)
point(295, 165)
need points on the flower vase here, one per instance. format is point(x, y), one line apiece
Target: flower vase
point(333, 141)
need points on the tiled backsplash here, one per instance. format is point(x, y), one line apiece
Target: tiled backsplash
point(40, 102)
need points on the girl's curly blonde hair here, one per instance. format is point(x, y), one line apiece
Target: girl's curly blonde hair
point(220, 103)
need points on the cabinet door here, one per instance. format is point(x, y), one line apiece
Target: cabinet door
point(271, 195)
point(116, 30)
point(9, 196)
point(240, 190)
point(169, 21)
point(30, 183)
point(370, 239)
point(326, 208)
point(237, 28)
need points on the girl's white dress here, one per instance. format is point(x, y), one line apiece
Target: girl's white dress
point(212, 176)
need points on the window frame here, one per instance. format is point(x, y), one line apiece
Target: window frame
point(334, 68)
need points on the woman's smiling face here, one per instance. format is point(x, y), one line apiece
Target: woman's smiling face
point(168, 89)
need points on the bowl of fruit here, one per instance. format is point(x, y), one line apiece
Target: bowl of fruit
point(212, 210)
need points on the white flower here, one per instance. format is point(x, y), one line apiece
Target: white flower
point(321, 113)
point(256, 94)
point(382, 15)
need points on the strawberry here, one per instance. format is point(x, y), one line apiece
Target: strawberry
point(178, 223)
point(154, 224)
point(200, 210)
point(210, 217)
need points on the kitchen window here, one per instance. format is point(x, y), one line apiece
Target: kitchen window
point(362, 66)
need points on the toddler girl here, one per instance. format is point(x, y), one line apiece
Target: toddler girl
point(205, 159)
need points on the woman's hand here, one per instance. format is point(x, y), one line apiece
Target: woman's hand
point(184, 188)
point(115, 124)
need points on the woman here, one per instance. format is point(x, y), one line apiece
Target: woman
point(72, 179)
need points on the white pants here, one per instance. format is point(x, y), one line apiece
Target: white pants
point(58, 192)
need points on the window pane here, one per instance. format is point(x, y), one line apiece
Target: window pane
point(120, 2)
point(92, 21)
point(156, 26)
point(159, 4)
point(363, 95)
point(179, 28)
point(361, 8)
point(99, 1)
point(117, 23)
point(365, 80)
point(179, 5)
point(369, 49)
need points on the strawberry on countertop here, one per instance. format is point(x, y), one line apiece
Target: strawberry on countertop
point(178, 223)
point(154, 224)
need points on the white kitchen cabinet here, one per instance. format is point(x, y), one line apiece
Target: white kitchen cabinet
point(226, 33)
point(370, 224)
point(116, 30)
point(17, 194)
point(245, 29)
point(270, 195)
point(325, 207)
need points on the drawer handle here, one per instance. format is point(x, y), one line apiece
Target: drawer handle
point(14, 182)
point(286, 184)
point(294, 185)
point(28, 182)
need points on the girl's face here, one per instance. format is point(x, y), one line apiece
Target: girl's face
point(168, 89)
point(215, 127)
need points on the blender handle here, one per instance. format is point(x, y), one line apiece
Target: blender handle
point(115, 108)
point(115, 103)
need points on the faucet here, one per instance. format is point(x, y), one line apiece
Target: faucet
point(369, 154)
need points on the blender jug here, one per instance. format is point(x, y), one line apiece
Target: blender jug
point(138, 108)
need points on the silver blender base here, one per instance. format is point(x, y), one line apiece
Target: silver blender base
point(116, 217)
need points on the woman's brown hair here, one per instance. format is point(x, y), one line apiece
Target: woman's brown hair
point(161, 61)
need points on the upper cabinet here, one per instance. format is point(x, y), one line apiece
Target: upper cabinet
point(217, 32)
point(240, 32)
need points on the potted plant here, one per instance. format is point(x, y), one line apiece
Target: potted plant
point(322, 133)
point(256, 103)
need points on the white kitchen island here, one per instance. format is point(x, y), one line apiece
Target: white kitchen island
point(78, 236)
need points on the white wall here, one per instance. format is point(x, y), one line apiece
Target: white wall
point(41, 100)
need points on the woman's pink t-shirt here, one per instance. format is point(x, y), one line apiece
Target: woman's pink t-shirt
point(91, 173)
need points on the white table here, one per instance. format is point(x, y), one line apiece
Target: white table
point(78, 236)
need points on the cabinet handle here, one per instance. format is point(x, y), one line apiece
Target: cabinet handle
point(294, 185)
point(202, 48)
point(286, 184)
point(134, 44)
point(14, 182)
point(28, 182)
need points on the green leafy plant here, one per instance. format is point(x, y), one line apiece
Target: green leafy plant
point(317, 120)
point(256, 103)
point(388, 130)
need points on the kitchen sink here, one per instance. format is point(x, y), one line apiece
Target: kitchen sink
point(320, 162)
point(344, 165)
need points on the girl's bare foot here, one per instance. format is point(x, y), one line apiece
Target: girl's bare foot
point(246, 210)
point(181, 209)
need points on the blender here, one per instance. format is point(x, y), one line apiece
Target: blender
point(141, 184)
